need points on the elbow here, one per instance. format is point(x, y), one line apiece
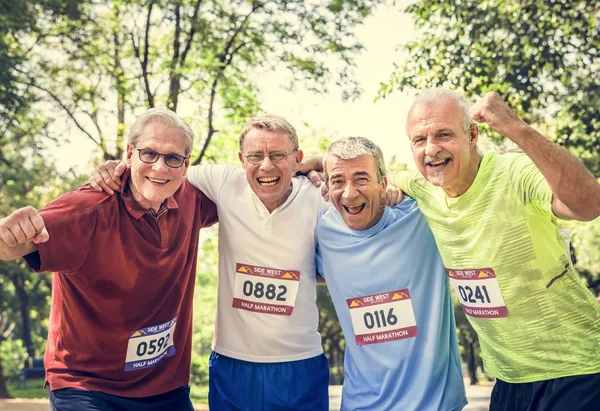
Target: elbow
point(591, 214)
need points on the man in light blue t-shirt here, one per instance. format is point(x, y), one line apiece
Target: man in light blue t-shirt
point(389, 288)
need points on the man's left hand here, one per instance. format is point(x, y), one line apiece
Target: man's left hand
point(492, 109)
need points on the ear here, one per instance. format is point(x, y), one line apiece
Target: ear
point(129, 154)
point(384, 183)
point(242, 158)
point(299, 157)
point(474, 135)
point(186, 164)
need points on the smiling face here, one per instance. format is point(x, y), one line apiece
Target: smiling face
point(445, 155)
point(355, 191)
point(152, 184)
point(272, 182)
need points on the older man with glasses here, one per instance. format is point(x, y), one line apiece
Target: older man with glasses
point(124, 273)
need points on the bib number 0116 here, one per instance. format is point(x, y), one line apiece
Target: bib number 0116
point(380, 319)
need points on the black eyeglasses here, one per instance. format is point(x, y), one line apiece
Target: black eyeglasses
point(275, 157)
point(150, 157)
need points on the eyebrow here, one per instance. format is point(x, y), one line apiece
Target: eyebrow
point(360, 174)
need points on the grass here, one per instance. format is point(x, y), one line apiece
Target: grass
point(33, 389)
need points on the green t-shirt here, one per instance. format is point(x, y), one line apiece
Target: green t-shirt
point(512, 271)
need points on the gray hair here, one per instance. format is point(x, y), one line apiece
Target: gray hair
point(271, 123)
point(348, 148)
point(165, 118)
point(436, 94)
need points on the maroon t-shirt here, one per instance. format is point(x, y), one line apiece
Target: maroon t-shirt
point(121, 315)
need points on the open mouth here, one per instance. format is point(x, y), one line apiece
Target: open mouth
point(354, 210)
point(268, 181)
point(437, 164)
point(157, 181)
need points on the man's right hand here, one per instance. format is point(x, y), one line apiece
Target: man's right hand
point(107, 176)
point(20, 232)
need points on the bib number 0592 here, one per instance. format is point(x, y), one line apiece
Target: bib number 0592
point(258, 290)
point(380, 319)
point(152, 346)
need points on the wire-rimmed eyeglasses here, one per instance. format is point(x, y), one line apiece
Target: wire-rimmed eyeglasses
point(275, 156)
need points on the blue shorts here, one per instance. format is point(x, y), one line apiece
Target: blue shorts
point(73, 399)
point(249, 386)
point(575, 393)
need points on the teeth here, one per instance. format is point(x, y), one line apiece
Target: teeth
point(157, 181)
point(352, 210)
point(268, 180)
point(437, 163)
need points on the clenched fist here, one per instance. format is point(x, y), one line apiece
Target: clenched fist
point(19, 231)
point(493, 111)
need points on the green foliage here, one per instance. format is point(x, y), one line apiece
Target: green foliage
point(542, 56)
point(585, 239)
point(12, 355)
point(199, 58)
point(19, 19)
point(205, 307)
point(334, 344)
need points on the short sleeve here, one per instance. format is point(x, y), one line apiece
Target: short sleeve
point(529, 182)
point(404, 181)
point(209, 178)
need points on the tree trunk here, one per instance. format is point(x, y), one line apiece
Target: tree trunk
point(19, 283)
point(472, 367)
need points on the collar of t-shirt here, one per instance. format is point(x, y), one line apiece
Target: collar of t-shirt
point(137, 211)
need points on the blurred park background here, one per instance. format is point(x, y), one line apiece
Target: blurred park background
point(75, 73)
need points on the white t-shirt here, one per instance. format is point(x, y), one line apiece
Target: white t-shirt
point(266, 310)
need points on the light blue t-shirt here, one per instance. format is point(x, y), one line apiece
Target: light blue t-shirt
point(392, 297)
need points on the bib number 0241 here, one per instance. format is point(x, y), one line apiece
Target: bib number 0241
point(470, 295)
point(380, 319)
point(258, 290)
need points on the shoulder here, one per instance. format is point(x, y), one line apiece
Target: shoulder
point(310, 195)
point(330, 219)
point(83, 201)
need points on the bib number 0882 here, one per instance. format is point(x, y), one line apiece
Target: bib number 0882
point(380, 319)
point(258, 290)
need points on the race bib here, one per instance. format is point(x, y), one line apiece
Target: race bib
point(150, 345)
point(382, 317)
point(265, 290)
point(478, 292)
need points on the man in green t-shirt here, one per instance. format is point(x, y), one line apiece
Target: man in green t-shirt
point(494, 219)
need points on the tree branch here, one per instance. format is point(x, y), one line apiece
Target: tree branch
point(173, 74)
point(67, 110)
point(144, 60)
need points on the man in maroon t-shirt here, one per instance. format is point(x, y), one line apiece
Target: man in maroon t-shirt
point(124, 271)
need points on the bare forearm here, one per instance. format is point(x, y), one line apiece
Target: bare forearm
point(567, 177)
point(311, 163)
